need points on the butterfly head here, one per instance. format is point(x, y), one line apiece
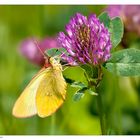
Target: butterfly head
point(55, 62)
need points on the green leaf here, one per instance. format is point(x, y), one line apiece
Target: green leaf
point(104, 18)
point(116, 31)
point(78, 84)
point(75, 73)
point(115, 27)
point(91, 71)
point(125, 63)
point(91, 92)
point(68, 80)
point(55, 52)
point(51, 52)
point(77, 96)
point(63, 51)
point(87, 68)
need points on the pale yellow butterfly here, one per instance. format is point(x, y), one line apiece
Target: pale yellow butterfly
point(44, 94)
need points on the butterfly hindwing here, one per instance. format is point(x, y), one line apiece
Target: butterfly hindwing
point(50, 93)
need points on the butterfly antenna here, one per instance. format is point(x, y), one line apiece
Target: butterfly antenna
point(70, 63)
point(37, 45)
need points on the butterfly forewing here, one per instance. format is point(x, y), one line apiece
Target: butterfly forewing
point(25, 105)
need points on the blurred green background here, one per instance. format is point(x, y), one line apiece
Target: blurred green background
point(121, 96)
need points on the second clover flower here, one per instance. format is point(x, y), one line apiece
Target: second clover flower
point(87, 41)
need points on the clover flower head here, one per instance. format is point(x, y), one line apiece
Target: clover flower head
point(87, 40)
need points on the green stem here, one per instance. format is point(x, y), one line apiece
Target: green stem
point(99, 102)
point(52, 130)
point(96, 84)
point(101, 113)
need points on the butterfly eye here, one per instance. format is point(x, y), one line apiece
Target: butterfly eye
point(57, 59)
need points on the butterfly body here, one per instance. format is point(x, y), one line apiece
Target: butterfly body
point(45, 93)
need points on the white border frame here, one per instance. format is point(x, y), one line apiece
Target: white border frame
point(23, 137)
point(68, 2)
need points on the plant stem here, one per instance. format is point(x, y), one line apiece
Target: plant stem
point(96, 84)
point(101, 113)
point(99, 102)
point(52, 130)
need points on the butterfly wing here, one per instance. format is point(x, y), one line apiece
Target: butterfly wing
point(51, 93)
point(25, 104)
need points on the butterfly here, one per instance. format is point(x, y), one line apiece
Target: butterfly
point(45, 93)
